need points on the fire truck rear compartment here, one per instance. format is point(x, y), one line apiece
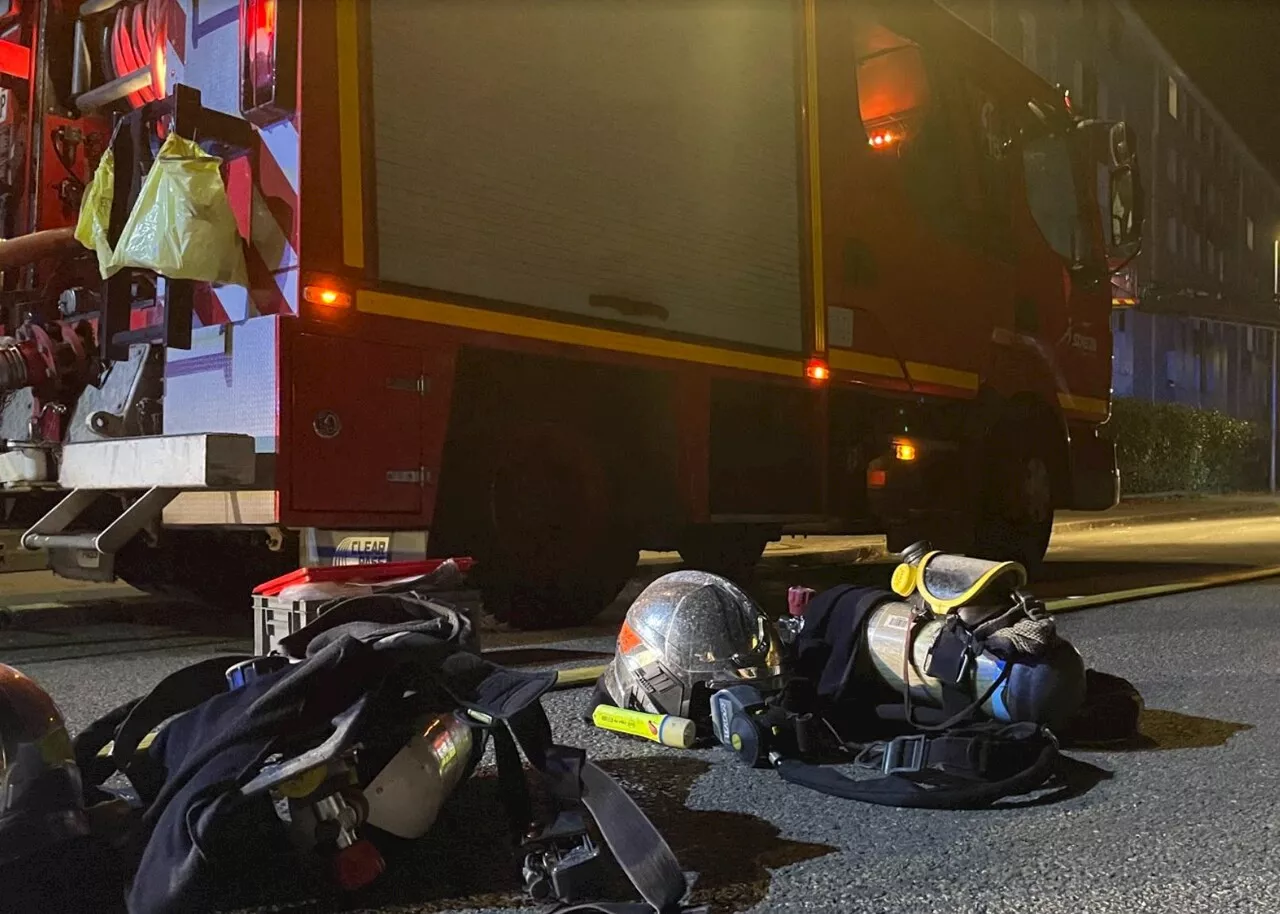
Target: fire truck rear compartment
point(645, 175)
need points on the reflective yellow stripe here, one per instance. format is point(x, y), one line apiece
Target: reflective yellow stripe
point(861, 362)
point(352, 167)
point(487, 321)
point(1091, 405)
point(944, 377)
point(815, 173)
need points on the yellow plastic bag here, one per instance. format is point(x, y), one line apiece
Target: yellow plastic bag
point(95, 212)
point(182, 226)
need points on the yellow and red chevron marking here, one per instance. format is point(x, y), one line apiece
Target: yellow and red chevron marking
point(266, 207)
point(176, 30)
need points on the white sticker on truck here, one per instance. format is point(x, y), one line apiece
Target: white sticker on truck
point(363, 550)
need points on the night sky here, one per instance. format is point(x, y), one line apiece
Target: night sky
point(1231, 49)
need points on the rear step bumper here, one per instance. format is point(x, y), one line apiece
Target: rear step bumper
point(157, 469)
point(207, 461)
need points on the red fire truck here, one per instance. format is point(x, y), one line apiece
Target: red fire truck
point(548, 283)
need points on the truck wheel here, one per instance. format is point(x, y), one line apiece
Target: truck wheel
point(217, 569)
point(1016, 512)
point(731, 551)
point(553, 552)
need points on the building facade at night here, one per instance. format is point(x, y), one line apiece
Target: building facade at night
point(1197, 311)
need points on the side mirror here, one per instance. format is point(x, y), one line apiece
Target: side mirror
point(1126, 206)
point(1124, 230)
point(1122, 145)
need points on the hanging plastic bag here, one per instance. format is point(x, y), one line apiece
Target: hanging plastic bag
point(182, 226)
point(95, 212)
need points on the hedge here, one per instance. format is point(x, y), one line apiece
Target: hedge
point(1167, 447)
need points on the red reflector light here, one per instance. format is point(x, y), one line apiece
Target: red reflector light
point(327, 296)
point(268, 60)
point(817, 370)
point(261, 41)
point(15, 60)
point(877, 479)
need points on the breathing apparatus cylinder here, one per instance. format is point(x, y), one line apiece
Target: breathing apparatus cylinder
point(1043, 683)
point(1047, 691)
point(327, 807)
point(407, 794)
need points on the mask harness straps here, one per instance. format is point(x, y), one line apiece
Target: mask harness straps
point(954, 762)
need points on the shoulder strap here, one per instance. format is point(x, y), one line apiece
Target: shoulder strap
point(637, 845)
point(180, 691)
point(960, 769)
point(124, 728)
point(639, 848)
point(829, 645)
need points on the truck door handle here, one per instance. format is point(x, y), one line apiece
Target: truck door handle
point(629, 307)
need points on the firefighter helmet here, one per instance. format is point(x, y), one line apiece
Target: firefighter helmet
point(41, 802)
point(687, 635)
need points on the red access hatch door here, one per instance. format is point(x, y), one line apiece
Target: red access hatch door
point(356, 434)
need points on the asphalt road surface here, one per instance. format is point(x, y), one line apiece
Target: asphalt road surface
point(1185, 820)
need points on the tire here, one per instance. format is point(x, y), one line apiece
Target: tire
point(1015, 519)
point(551, 551)
point(215, 569)
point(730, 551)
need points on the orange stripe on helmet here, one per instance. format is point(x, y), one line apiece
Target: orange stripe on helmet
point(628, 640)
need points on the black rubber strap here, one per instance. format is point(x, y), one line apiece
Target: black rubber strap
point(512, 788)
point(96, 769)
point(952, 792)
point(638, 847)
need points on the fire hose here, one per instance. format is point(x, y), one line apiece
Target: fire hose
point(133, 42)
point(28, 249)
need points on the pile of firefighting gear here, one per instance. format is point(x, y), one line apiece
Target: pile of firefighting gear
point(954, 688)
point(307, 765)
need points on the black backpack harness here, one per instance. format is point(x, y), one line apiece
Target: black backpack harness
point(205, 780)
point(945, 759)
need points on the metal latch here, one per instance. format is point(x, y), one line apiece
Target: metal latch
point(420, 476)
point(419, 385)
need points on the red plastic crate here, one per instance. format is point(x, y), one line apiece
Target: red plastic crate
point(356, 574)
point(275, 619)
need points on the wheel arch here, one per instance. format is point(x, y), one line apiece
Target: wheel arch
point(1028, 413)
